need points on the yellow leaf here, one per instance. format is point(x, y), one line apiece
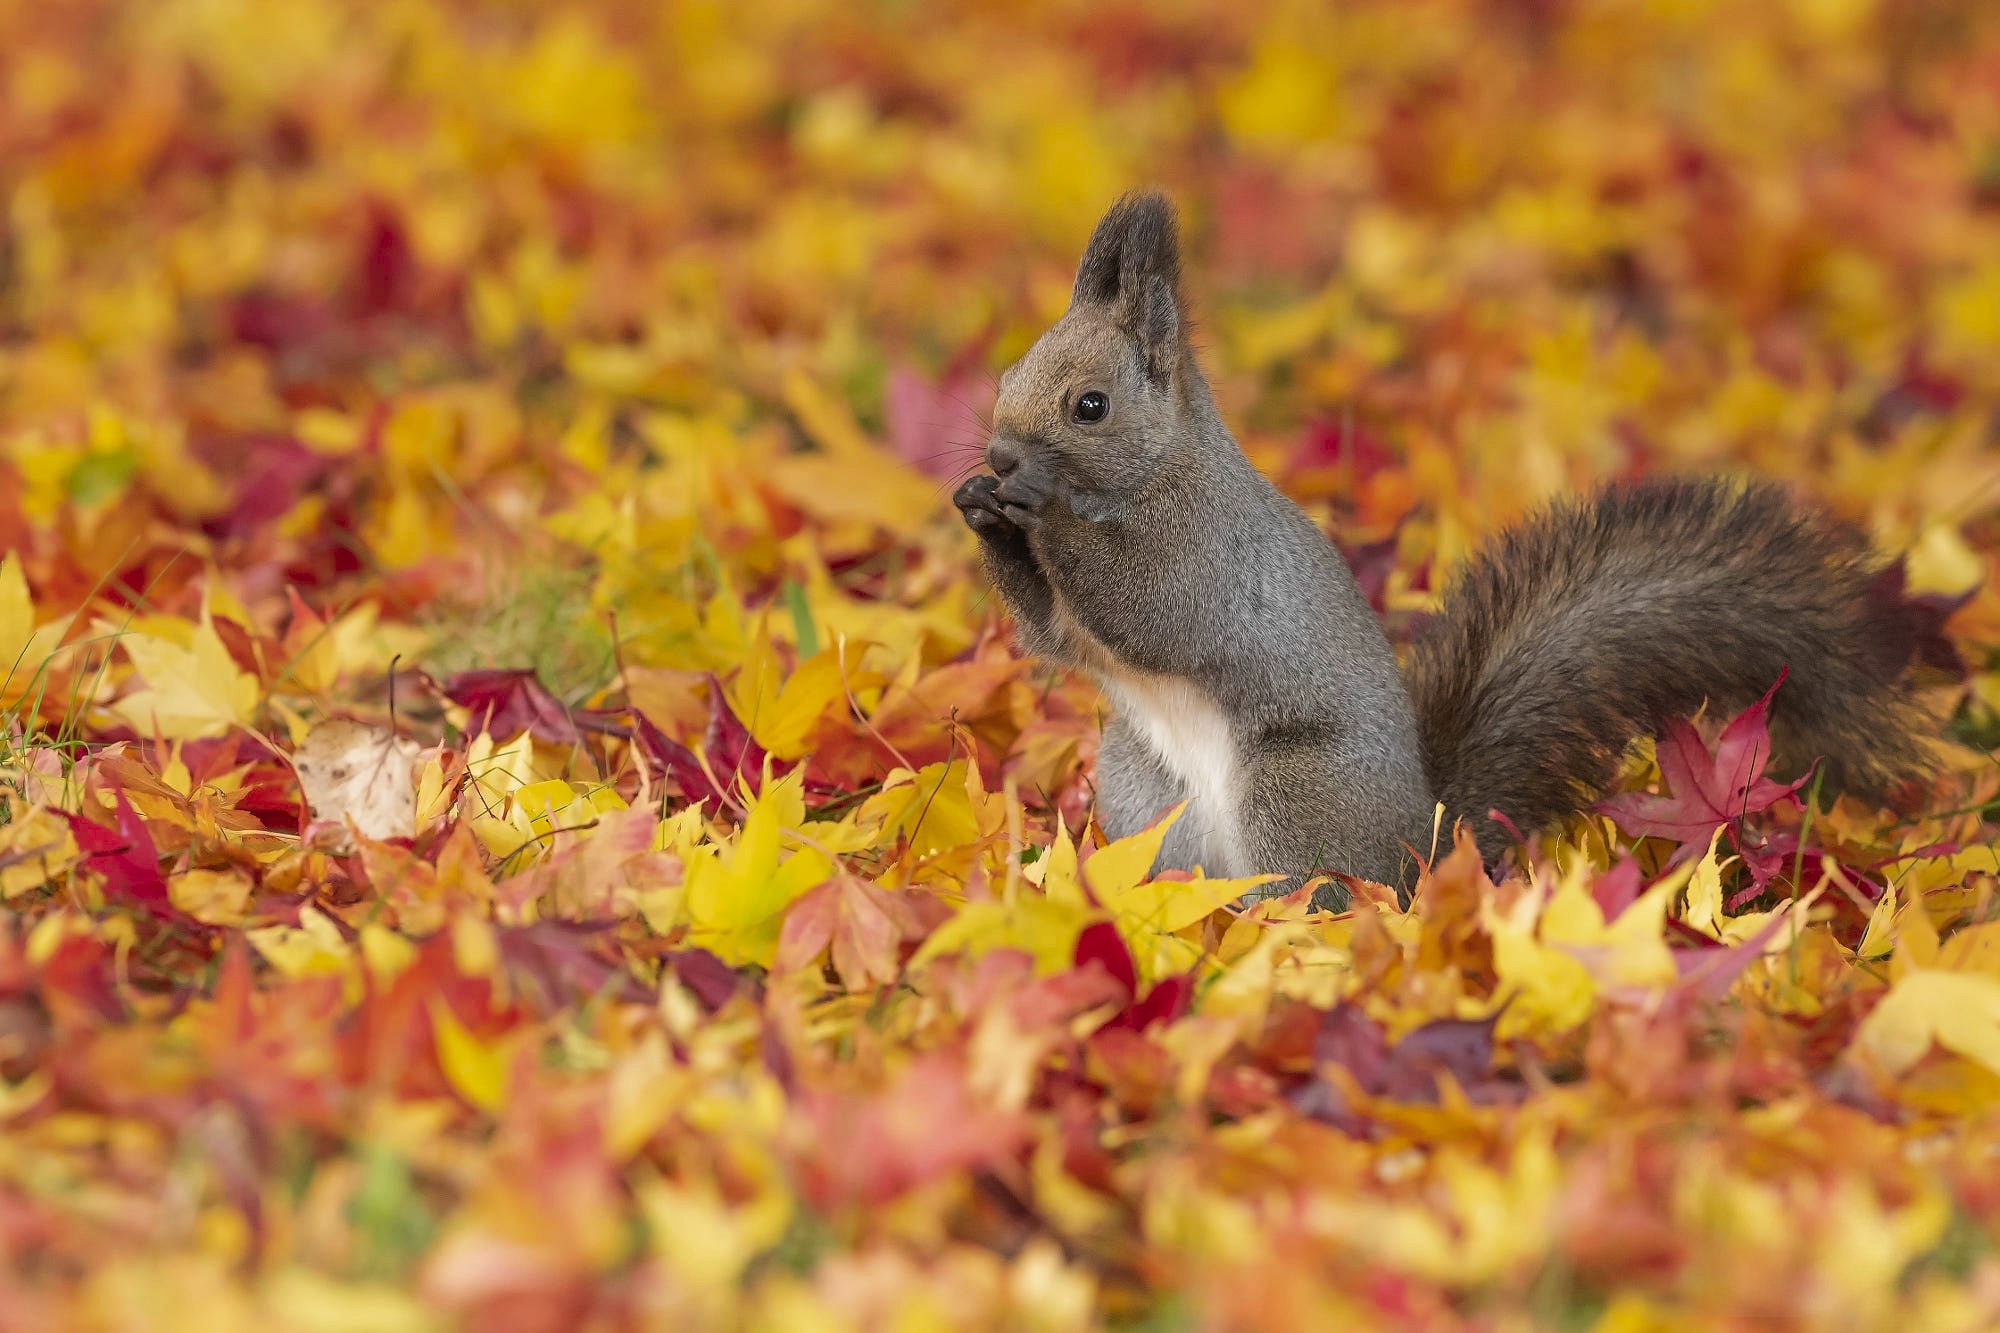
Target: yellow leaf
point(313, 948)
point(784, 724)
point(737, 895)
point(25, 648)
point(1128, 861)
point(1550, 990)
point(1916, 940)
point(1879, 937)
point(1244, 991)
point(501, 770)
point(937, 809)
point(1042, 927)
point(1055, 871)
point(1553, 951)
point(1959, 1011)
point(1940, 561)
point(1288, 96)
point(551, 805)
point(34, 849)
point(647, 1088)
point(190, 691)
point(385, 952)
point(475, 1069)
point(301, 1300)
point(1168, 905)
point(1704, 891)
point(704, 1240)
point(475, 948)
point(1631, 951)
point(1147, 915)
point(213, 897)
point(1973, 949)
point(897, 497)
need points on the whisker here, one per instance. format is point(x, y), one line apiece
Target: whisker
point(952, 482)
point(955, 451)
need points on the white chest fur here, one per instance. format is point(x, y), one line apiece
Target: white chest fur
point(1190, 737)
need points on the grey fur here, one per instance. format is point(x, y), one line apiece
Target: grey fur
point(1147, 543)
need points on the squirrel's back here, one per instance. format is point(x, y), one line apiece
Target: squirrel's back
point(1603, 618)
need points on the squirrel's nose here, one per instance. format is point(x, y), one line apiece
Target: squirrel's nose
point(1004, 454)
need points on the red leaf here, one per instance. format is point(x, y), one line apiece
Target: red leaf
point(728, 748)
point(1163, 1004)
point(1350, 446)
point(1408, 1071)
point(1710, 972)
point(1101, 943)
point(1460, 1047)
point(386, 274)
point(808, 928)
point(713, 982)
point(554, 963)
point(1708, 791)
point(125, 857)
point(507, 703)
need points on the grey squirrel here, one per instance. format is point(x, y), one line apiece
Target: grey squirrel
point(1131, 538)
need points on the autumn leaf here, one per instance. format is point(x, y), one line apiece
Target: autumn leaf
point(1959, 1011)
point(193, 686)
point(863, 927)
point(476, 1069)
point(1710, 791)
point(25, 647)
point(737, 892)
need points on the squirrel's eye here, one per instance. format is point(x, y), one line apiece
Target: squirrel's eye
point(1091, 406)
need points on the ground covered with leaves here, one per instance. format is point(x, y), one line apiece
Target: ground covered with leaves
point(521, 813)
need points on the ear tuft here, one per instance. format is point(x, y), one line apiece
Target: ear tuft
point(1132, 266)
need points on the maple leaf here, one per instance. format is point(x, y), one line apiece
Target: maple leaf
point(509, 702)
point(193, 685)
point(1411, 1069)
point(729, 755)
point(861, 925)
point(125, 856)
point(737, 894)
point(1710, 791)
point(25, 647)
point(1102, 946)
point(356, 775)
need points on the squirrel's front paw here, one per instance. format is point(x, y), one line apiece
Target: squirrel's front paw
point(977, 506)
point(1022, 495)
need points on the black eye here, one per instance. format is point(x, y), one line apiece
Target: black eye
point(1091, 406)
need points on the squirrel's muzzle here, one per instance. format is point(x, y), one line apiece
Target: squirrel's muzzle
point(1004, 454)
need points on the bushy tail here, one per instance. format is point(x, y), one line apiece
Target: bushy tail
point(1603, 618)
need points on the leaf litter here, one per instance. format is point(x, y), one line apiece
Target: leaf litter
point(520, 813)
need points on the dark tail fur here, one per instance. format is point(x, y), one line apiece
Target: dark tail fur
point(1602, 619)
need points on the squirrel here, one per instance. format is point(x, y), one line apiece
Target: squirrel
point(1131, 538)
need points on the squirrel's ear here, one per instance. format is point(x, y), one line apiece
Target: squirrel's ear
point(1132, 267)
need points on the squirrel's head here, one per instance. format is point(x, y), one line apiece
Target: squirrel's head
point(1100, 401)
